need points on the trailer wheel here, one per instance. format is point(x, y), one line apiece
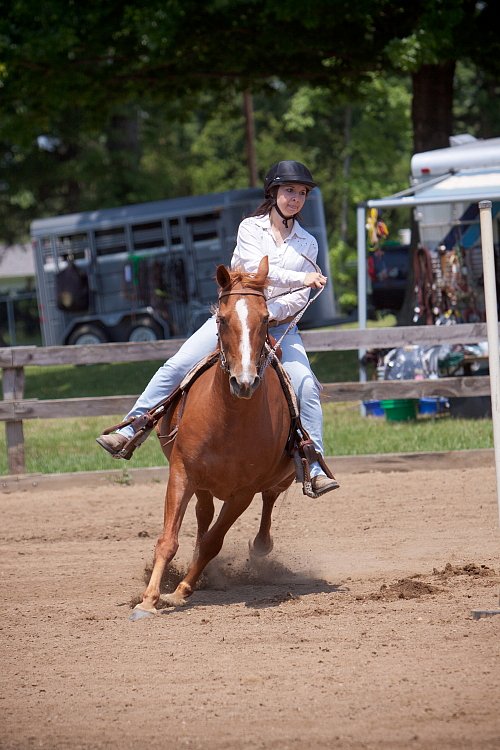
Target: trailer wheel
point(87, 334)
point(145, 329)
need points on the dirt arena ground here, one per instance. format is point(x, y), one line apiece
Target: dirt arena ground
point(356, 633)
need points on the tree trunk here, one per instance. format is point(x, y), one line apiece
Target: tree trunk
point(124, 151)
point(432, 118)
point(432, 106)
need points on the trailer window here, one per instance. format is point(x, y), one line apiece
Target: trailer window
point(147, 236)
point(72, 246)
point(110, 241)
point(204, 227)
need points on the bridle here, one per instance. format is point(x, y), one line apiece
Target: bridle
point(244, 293)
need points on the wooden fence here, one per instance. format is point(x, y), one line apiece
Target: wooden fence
point(14, 408)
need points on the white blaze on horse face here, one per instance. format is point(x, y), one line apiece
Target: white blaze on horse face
point(245, 350)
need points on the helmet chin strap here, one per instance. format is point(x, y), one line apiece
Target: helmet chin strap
point(285, 219)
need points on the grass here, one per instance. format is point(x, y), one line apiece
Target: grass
point(335, 367)
point(347, 432)
point(67, 445)
point(62, 445)
point(74, 381)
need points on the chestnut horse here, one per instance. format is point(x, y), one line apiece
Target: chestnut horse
point(230, 443)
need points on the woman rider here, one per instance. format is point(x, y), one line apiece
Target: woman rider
point(272, 230)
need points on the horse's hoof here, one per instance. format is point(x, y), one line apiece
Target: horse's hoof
point(140, 614)
point(173, 600)
point(256, 552)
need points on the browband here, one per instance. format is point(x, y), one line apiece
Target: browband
point(252, 292)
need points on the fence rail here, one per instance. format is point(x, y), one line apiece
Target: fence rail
point(14, 408)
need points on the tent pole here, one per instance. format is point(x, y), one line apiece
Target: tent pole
point(361, 234)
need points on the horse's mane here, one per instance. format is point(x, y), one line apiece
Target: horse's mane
point(250, 280)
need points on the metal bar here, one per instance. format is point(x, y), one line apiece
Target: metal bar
point(362, 271)
point(412, 201)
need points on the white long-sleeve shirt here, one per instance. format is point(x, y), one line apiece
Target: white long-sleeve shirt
point(287, 266)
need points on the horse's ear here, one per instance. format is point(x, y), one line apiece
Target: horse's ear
point(222, 276)
point(263, 268)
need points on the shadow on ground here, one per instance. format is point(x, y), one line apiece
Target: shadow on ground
point(260, 583)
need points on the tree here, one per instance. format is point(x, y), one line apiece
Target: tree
point(140, 100)
point(444, 32)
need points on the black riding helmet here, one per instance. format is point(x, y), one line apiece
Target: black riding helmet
point(287, 171)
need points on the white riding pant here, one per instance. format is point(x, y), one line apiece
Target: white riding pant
point(203, 342)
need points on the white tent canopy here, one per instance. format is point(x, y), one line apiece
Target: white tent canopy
point(463, 187)
point(466, 186)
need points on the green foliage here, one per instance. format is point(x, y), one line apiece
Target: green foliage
point(477, 94)
point(444, 30)
point(381, 137)
point(343, 266)
point(142, 101)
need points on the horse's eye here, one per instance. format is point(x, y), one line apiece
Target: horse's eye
point(265, 319)
point(221, 320)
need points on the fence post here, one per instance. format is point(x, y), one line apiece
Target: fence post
point(13, 389)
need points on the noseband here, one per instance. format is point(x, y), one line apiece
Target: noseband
point(242, 293)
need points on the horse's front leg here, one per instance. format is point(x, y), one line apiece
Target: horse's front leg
point(209, 546)
point(263, 543)
point(179, 492)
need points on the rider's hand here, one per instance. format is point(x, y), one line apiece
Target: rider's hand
point(315, 280)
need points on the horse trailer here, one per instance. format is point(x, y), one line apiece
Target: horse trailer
point(147, 271)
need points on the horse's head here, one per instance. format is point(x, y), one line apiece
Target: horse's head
point(242, 326)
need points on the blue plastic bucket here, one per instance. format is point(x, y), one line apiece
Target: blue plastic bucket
point(373, 409)
point(433, 406)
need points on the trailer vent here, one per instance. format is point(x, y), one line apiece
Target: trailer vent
point(146, 236)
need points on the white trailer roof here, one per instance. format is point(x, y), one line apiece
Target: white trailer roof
point(472, 155)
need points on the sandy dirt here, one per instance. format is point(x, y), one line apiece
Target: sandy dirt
point(355, 633)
